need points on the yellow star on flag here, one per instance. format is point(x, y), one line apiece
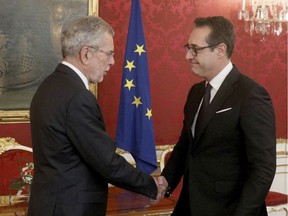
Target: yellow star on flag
point(139, 49)
point(137, 101)
point(129, 84)
point(130, 65)
point(149, 113)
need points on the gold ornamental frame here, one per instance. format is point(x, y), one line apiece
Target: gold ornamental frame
point(23, 116)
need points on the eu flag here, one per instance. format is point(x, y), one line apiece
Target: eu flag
point(135, 132)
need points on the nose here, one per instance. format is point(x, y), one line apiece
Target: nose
point(188, 55)
point(112, 61)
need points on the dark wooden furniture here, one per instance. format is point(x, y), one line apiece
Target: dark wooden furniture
point(120, 203)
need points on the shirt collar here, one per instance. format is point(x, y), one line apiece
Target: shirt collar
point(77, 71)
point(218, 80)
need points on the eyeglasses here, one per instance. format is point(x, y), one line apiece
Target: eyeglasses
point(194, 50)
point(109, 54)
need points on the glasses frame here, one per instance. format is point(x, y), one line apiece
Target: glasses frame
point(109, 54)
point(194, 50)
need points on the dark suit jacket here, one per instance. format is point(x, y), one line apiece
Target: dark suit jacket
point(74, 156)
point(228, 169)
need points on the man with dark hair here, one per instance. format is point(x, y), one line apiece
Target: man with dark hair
point(227, 148)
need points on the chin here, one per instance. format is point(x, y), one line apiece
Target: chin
point(197, 73)
point(194, 71)
point(99, 80)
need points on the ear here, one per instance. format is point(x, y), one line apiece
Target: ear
point(85, 54)
point(221, 49)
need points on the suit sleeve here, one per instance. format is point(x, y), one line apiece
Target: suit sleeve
point(258, 125)
point(86, 129)
point(175, 167)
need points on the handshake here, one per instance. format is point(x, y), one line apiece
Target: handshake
point(162, 186)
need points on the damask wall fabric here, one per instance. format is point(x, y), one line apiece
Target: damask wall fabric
point(167, 25)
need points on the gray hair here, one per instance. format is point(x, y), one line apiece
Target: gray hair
point(83, 32)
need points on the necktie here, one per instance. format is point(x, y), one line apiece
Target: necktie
point(205, 103)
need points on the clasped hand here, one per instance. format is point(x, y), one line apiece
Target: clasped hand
point(162, 186)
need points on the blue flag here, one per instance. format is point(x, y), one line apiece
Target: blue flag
point(135, 132)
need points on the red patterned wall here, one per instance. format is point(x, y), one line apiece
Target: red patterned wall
point(167, 25)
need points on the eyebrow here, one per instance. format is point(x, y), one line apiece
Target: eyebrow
point(193, 45)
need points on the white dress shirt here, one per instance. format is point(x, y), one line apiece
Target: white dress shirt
point(216, 82)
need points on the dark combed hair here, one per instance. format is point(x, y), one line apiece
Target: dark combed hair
point(222, 31)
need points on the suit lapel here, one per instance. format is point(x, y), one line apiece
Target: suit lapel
point(223, 92)
point(67, 70)
point(194, 101)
